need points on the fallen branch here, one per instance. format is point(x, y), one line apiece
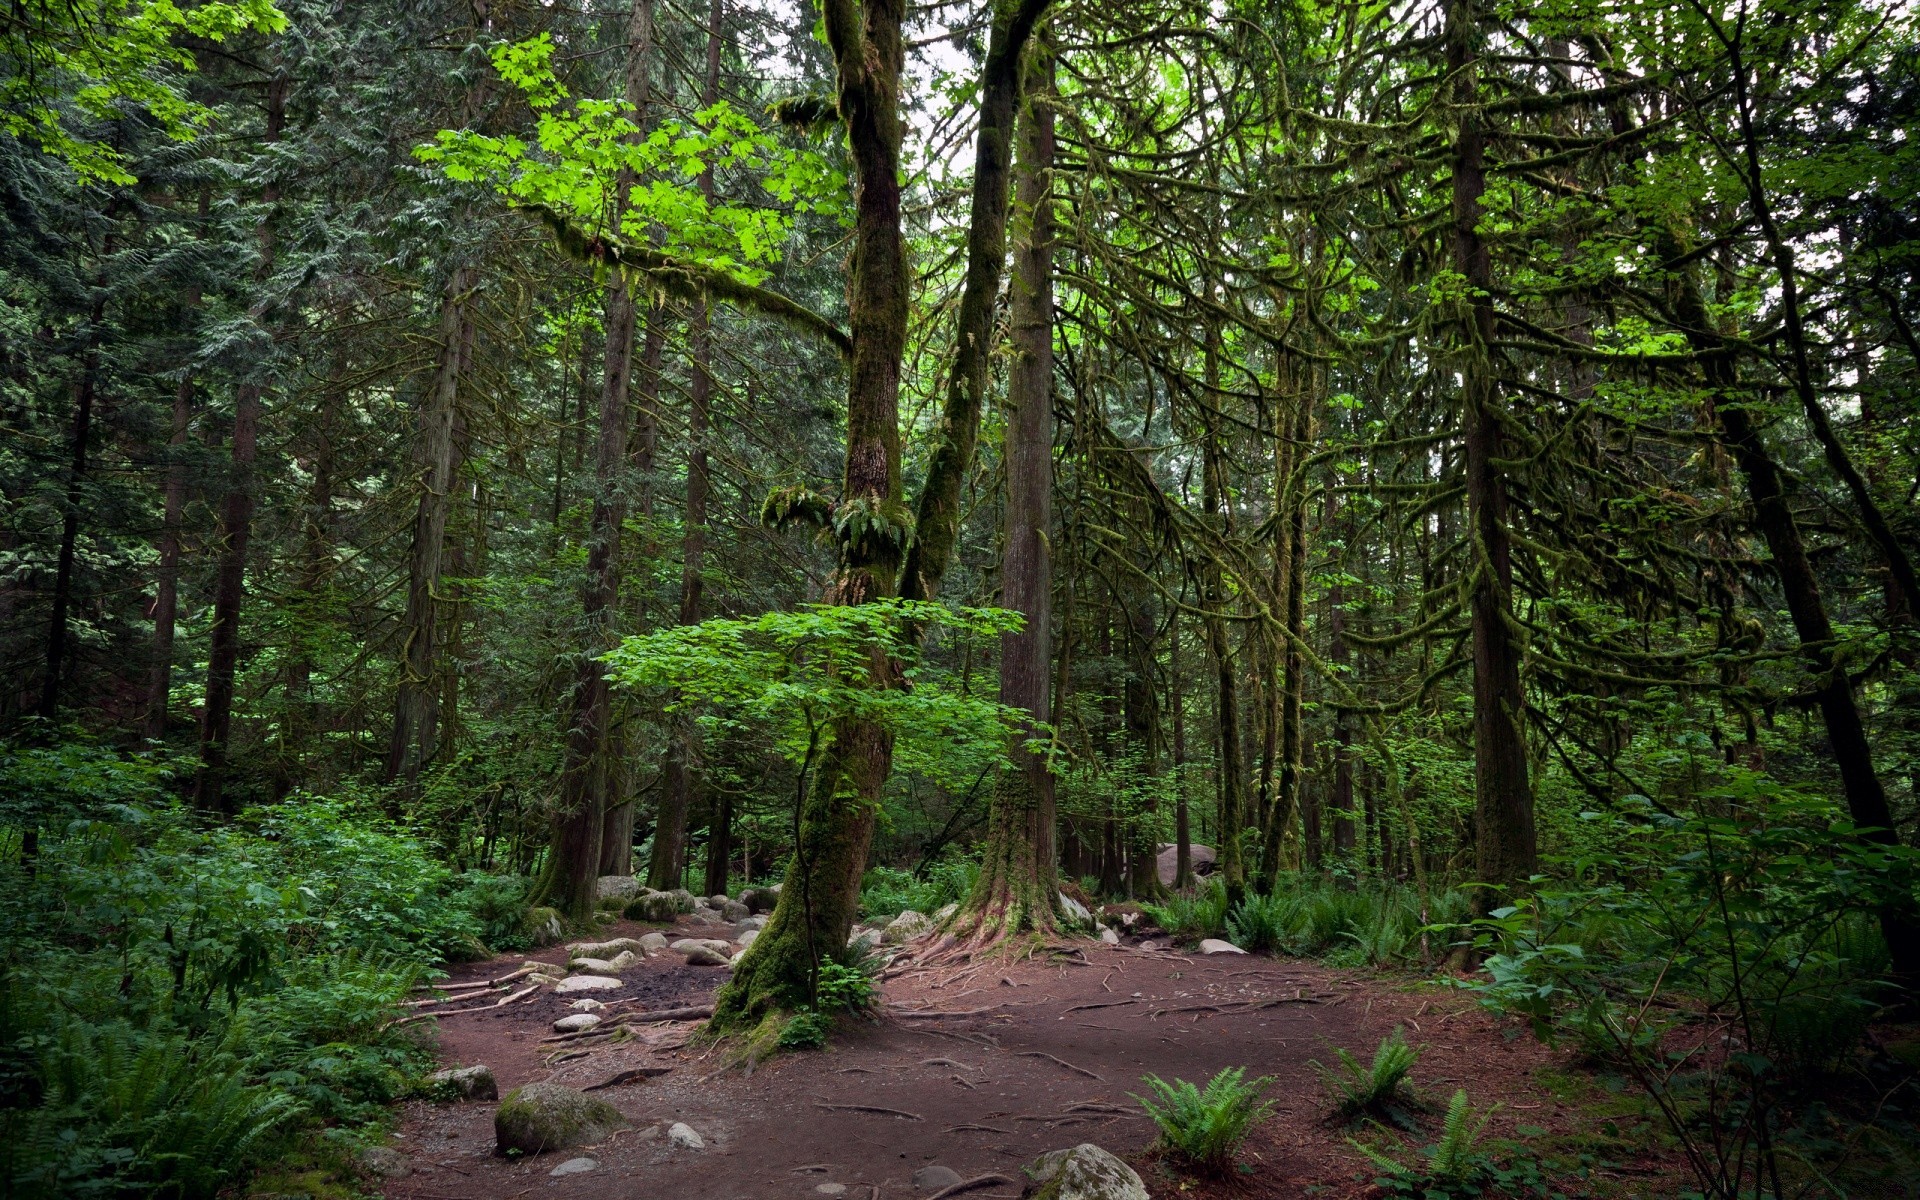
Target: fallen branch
point(454, 1012)
point(1102, 1004)
point(1063, 1062)
point(869, 1108)
point(981, 1128)
point(968, 1185)
point(939, 1014)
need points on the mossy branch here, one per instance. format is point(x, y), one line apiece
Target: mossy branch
point(686, 280)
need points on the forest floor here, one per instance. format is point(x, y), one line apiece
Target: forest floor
point(1046, 1057)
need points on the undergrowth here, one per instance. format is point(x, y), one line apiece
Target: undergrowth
point(1376, 1088)
point(1201, 1129)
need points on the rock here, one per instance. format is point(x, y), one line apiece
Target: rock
point(682, 1135)
point(587, 1005)
point(585, 983)
point(1109, 937)
point(707, 956)
point(592, 966)
point(386, 1162)
point(653, 943)
point(746, 939)
point(1076, 911)
point(933, 1177)
point(829, 1189)
point(733, 910)
point(1149, 944)
point(1201, 858)
point(624, 959)
point(754, 923)
point(1085, 1172)
point(687, 899)
point(688, 945)
point(465, 1083)
point(467, 948)
point(541, 926)
point(1216, 946)
point(719, 900)
point(606, 949)
point(760, 899)
point(876, 922)
point(546, 1116)
point(573, 1166)
point(612, 904)
point(605, 918)
point(862, 940)
point(577, 1023)
point(906, 927)
point(945, 913)
point(658, 907)
point(625, 887)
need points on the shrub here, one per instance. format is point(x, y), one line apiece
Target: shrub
point(1202, 1130)
point(888, 892)
point(1373, 1089)
point(1454, 1164)
point(1258, 925)
point(1192, 917)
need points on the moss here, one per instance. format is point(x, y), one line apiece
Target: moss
point(546, 1116)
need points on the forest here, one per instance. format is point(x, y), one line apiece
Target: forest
point(828, 514)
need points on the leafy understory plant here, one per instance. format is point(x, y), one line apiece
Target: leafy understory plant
point(1376, 1088)
point(1202, 1130)
point(1454, 1165)
point(1259, 924)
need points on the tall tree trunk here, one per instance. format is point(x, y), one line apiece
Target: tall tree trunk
point(669, 837)
point(1290, 568)
point(1229, 759)
point(1799, 586)
point(1018, 883)
point(416, 707)
point(236, 525)
point(821, 896)
point(1182, 819)
point(1505, 849)
point(1339, 657)
point(166, 592)
point(85, 391)
point(580, 816)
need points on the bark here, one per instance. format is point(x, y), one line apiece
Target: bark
point(580, 817)
point(236, 528)
point(416, 708)
point(1339, 657)
point(1505, 848)
point(1018, 886)
point(1182, 819)
point(1229, 760)
point(1292, 549)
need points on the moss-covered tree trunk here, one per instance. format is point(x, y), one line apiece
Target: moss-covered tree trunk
point(1017, 890)
point(821, 893)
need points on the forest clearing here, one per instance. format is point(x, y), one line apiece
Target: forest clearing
point(961, 598)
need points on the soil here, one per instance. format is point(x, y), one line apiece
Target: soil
point(980, 1068)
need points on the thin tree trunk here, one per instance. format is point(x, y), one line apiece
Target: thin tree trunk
point(1229, 761)
point(85, 390)
point(416, 709)
point(580, 817)
point(669, 835)
point(1182, 819)
point(1505, 848)
point(236, 527)
point(166, 594)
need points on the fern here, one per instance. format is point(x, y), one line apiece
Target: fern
point(1258, 925)
point(1372, 1089)
point(1453, 1163)
point(1203, 1129)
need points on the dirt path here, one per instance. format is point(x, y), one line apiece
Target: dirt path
point(1044, 1058)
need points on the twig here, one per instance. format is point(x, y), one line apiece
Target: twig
point(968, 1185)
point(1063, 1062)
point(454, 1012)
point(869, 1108)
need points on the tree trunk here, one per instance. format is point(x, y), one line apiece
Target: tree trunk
point(1182, 819)
point(236, 527)
point(416, 708)
point(1229, 761)
point(166, 592)
point(1018, 884)
point(1291, 527)
point(85, 390)
point(669, 837)
point(1505, 851)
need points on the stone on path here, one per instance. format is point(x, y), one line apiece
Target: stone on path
point(707, 956)
point(574, 1166)
point(653, 943)
point(760, 899)
point(606, 949)
point(1109, 937)
point(906, 927)
point(1216, 946)
point(588, 1004)
point(657, 907)
point(1167, 861)
point(621, 887)
point(541, 926)
point(386, 1162)
point(934, 1176)
point(830, 1189)
point(577, 1023)
point(585, 983)
point(1085, 1172)
point(546, 1116)
point(682, 1135)
point(1076, 911)
point(592, 966)
point(746, 939)
point(465, 1083)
